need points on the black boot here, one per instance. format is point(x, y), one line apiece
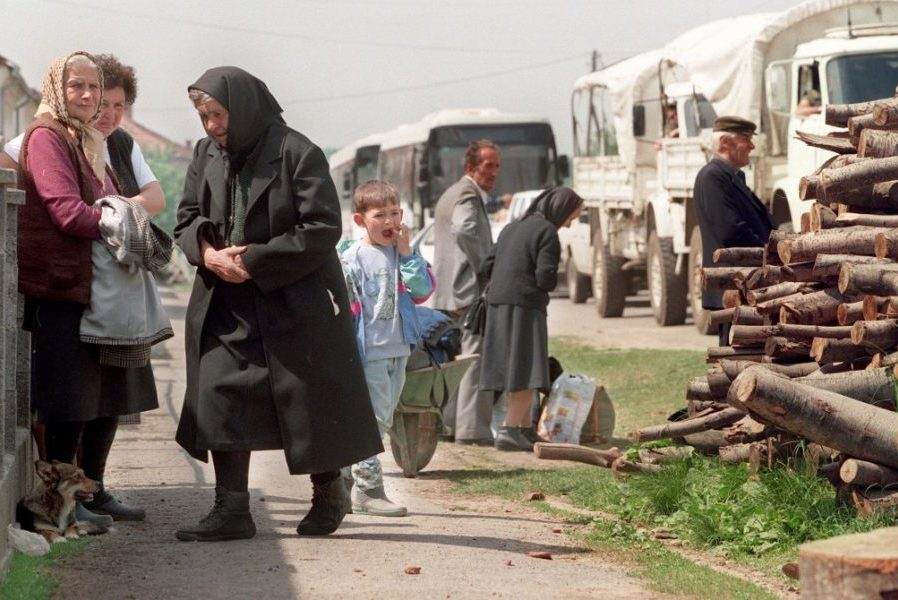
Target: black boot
point(105, 503)
point(229, 519)
point(330, 503)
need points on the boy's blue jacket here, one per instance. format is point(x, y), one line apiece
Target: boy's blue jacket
point(415, 284)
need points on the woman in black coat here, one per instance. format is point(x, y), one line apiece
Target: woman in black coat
point(271, 354)
point(522, 270)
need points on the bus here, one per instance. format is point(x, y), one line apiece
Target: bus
point(423, 159)
point(350, 166)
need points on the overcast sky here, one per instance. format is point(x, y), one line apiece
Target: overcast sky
point(345, 68)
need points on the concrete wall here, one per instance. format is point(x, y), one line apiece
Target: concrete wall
point(16, 460)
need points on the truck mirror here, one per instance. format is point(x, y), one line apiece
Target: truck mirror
point(347, 182)
point(638, 120)
point(564, 167)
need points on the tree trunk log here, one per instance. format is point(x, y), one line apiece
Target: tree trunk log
point(734, 367)
point(874, 500)
point(724, 315)
point(885, 114)
point(622, 465)
point(732, 298)
point(786, 348)
point(747, 315)
point(754, 296)
point(881, 196)
point(877, 144)
point(829, 265)
point(753, 336)
point(719, 384)
point(839, 145)
point(668, 454)
point(880, 335)
point(825, 350)
point(880, 280)
point(850, 567)
point(576, 452)
point(716, 353)
point(856, 128)
point(871, 386)
point(851, 219)
point(823, 217)
point(739, 257)
point(815, 308)
point(835, 181)
point(843, 240)
point(698, 389)
point(715, 420)
point(740, 453)
point(862, 472)
point(809, 332)
point(886, 244)
point(874, 306)
point(830, 419)
point(849, 313)
point(799, 272)
point(837, 115)
point(771, 257)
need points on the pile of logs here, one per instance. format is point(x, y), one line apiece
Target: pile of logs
point(814, 324)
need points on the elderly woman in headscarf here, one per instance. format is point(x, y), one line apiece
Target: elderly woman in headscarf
point(522, 270)
point(63, 171)
point(272, 361)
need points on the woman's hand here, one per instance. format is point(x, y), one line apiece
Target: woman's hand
point(226, 263)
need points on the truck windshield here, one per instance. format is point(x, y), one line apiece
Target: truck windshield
point(366, 163)
point(862, 77)
point(527, 155)
point(699, 115)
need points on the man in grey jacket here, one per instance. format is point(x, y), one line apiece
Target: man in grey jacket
point(462, 241)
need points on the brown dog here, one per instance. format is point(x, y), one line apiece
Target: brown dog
point(50, 509)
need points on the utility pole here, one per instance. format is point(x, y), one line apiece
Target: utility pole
point(596, 59)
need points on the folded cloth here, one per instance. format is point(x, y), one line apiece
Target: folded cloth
point(125, 314)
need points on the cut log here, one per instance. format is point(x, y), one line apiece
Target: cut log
point(718, 383)
point(849, 313)
point(850, 567)
point(753, 336)
point(836, 181)
point(881, 196)
point(874, 500)
point(698, 389)
point(733, 367)
point(799, 272)
point(739, 257)
point(707, 442)
point(885, 114)
point(886, 245)
point(877, 144)
point(843, 240)
point(855, 428)
point(809, 332)
point(805, 222)
point(837, 115)
point(823, 217)
point(747, 315)
point(771, 257)
point(829, 265)
point(862, 472)
point(857, 127)
point(761, 277)
point(754, 296)
point(838, 145)
point(879, 280)
point(622, 465)
point(786, 348)
point(773, 306)
point(881, 335)
point(576, 452)
point(851, 219)
point(815, 308)
point(715, 420)
point(825, 351)
point(716, 353)
point(740, 453)
point(874, 306)
point(724, 315)
point(723, 278)
point(872, 386)
point(731, 298)
point(668, 454)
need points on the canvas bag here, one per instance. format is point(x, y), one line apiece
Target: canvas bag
point(566, 409)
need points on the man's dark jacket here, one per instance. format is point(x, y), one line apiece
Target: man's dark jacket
point(729, 215)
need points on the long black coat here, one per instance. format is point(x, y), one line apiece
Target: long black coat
point(729, 215)
point(299, 294)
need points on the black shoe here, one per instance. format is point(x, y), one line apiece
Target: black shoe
point(105, 503)
point(82, 514)
point(330, 503)
point(475, 441)
point(229, 519)
point(511, 439)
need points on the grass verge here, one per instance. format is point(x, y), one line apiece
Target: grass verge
point(28, 577)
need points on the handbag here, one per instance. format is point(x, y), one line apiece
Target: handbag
point(475, 319)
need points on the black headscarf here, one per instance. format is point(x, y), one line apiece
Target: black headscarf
point(555, 204)
point(251, 107)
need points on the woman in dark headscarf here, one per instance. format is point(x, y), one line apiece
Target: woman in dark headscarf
point(522, 270)
point(271, 354)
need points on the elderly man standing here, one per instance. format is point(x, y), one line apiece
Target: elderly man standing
point(462, 241)
point(729, 214)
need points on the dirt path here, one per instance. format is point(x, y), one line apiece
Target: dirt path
point(466, 548)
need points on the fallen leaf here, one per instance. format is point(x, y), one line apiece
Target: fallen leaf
point(508, 563)
point(542, 555)
point(356, 570)
point(412, 570)
point(556, 530)
point(531, 496)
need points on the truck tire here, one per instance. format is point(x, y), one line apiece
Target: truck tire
point(701, 316)
point(577, 283)
point(667, 290)
point(609, 282)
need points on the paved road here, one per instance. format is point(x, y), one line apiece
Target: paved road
point(636, 329)
point(465, 547)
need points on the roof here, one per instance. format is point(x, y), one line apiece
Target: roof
point(414, 133)
point(347, 152)
point(147, 138)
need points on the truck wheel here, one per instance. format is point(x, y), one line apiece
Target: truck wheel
point(701, 316)
point(577, 283)
point(667, 290)
point(609, 282)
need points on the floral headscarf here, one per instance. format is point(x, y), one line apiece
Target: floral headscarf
point(53, 102)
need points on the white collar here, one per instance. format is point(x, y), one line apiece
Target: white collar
point(483, 195)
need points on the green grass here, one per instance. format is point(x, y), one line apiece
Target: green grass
point(644, 385)
point(28, 577)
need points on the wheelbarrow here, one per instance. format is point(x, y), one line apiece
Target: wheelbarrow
point(418, 419)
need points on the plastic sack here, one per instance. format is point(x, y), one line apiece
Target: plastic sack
point(566, 408)
point(27, 542)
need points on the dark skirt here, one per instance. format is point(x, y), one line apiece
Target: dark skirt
point(235, 408)
point(68, 383)
point(515, 350)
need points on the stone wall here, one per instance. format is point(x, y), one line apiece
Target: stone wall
point(16, 460)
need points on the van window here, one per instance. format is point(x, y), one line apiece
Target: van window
point(861, 77)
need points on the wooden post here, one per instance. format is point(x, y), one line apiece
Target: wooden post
point(850, 567)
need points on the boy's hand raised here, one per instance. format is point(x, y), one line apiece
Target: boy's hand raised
point(403, 240)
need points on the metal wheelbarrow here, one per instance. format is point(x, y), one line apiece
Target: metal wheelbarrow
point(418, 419)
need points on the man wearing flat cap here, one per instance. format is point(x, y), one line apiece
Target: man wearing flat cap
point(729, 214)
